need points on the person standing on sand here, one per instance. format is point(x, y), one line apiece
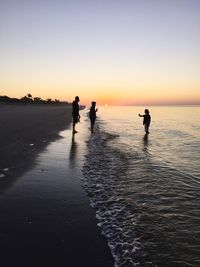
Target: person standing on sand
point(146, 120)
point(93, 112)
point(75, 113)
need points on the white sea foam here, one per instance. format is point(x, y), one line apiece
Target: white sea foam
point(102, 171)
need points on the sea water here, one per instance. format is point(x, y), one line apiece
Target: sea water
point(146, 189)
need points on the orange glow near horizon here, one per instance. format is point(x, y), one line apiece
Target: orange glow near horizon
point(111, 85)
point(119, 89)
point(113, 88)
point(113, 96)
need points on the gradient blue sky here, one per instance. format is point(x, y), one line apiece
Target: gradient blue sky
point(120, 52)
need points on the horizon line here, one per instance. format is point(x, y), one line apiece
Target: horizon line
point(129, 105)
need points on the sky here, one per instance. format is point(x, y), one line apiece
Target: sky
point(116, 52)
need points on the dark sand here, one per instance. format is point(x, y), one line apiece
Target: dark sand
point(45, 217)
point(26, 130)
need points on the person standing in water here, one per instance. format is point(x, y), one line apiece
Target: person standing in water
point(93, 112)
point(146, 120)
point(75, 113)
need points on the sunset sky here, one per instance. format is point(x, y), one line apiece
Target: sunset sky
point(113, 51)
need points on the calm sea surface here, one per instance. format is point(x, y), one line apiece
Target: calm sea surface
point(146, 189)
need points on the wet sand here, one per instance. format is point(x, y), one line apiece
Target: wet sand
point(45, 217)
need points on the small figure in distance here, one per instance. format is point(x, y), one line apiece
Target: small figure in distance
point(75, 113)
point(146, 120)
point(93, 112)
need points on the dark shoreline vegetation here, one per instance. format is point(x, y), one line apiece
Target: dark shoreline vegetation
point(29, 99)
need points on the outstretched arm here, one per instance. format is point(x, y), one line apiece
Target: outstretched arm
point(140, 115)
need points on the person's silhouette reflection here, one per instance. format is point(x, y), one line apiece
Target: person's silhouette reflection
point(145, 142)
point(73, 151)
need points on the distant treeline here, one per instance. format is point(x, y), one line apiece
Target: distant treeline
point(29, 99)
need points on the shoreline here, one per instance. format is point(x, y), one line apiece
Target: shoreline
point(46, 217)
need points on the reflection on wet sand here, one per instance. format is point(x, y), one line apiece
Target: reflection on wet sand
point(73, 152)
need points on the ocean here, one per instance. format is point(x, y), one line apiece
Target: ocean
point(146, 189)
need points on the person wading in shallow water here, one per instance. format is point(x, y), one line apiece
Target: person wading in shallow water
point(75, 113)
point(146, 120)
point(93, 112)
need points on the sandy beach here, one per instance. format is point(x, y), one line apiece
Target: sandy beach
point(46, 219)
point(26, 130)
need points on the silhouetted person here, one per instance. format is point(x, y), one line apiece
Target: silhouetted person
point(93, 112)
point(75, 113)
point(146, 120)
